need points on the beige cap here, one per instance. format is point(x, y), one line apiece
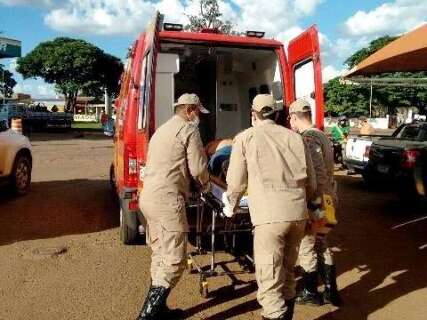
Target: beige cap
point(300, 105)
point(262, 101)
point(191, 98)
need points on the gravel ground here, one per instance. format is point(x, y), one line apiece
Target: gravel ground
point(60, 255)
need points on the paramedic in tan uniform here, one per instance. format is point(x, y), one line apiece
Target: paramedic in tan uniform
point(175, 155)
point(271, 163)
point(314, 255)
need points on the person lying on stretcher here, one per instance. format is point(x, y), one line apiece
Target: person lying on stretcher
point(218, 153)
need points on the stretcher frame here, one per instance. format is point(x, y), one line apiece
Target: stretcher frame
point(208, 203)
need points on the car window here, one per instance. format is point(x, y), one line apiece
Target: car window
point(423, 134)
point(398, 131)
point(410, 132)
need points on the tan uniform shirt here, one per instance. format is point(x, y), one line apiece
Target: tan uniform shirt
point(175, 153)
point(272, 163)
point(322, 155)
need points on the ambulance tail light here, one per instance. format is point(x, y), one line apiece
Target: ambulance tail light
point(255, 34)
point(131, 168)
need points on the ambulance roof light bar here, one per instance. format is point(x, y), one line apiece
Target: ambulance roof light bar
point(173, 27)
point(255, 34)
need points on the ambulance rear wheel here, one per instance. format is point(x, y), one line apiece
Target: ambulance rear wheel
point(128, 227)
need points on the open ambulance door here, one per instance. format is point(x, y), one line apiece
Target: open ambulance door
point(306, 72)
point(145, 118)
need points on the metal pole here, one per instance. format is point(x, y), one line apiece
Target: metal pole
point(370, 102)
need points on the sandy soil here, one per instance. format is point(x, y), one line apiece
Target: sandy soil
point(60, 255)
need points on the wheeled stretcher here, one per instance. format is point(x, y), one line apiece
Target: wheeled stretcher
point(212, 225)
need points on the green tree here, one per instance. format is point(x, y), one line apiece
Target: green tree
point(363, 53)
point(74, 66)
point(107, 80)
point(354, 99)
point(209, 18)
point(7, 82)
point(346, 99)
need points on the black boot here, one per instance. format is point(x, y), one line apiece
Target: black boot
point(329, 278)
point(155, 306)
point(290, 305)
point(309, 295)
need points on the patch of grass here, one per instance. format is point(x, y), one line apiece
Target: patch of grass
point(87, 125)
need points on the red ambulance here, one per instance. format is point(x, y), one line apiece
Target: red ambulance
point(226, 71)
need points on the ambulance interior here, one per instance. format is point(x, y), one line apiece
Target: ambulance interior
point(226, 79)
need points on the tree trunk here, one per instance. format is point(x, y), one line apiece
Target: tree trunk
point(70, 101)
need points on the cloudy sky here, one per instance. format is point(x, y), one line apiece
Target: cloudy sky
point(112, 25)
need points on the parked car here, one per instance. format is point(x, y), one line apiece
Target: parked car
point(226, 71)
point(394, 159)
point(15, 160)
point(358, 148)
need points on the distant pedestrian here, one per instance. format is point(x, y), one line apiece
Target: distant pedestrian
point(365, 127)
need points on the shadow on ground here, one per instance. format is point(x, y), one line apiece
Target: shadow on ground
point(86, 134)
point(58, 208)
point(380, 238)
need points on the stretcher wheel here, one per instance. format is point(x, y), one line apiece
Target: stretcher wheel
point(203, 287)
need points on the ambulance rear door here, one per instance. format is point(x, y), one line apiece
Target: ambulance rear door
point(145, 122)
point(306, 72)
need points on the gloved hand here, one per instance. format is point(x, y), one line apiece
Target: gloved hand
point(227, 210)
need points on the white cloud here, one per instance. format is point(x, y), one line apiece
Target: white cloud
point(36, 88)
point(329, 72)
point(289, 34)
point(306, 6)
point(388, 18)
point(101, 16)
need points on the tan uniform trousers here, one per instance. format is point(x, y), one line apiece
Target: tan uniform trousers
point(168, 245)
point(276, 248)
point(313, 250)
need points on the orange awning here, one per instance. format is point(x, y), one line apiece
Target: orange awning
point(407, 53)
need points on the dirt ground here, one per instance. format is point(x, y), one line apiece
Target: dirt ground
point(61, 258)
